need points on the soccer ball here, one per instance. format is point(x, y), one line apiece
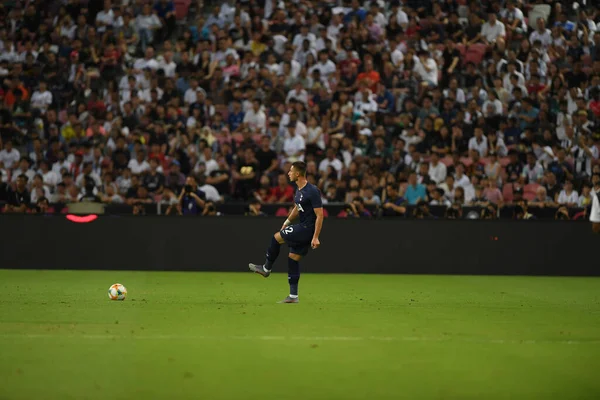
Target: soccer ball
point(117, 292)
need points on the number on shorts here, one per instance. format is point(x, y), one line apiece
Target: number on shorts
point(289, 230)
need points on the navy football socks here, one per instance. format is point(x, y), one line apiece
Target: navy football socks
point(293, 276)
point(272, 253)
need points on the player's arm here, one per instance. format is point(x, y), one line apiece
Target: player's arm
point(293, 215)
point(318, 225)
point(595, 214)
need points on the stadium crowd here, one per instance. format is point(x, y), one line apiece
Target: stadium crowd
point(390, 103)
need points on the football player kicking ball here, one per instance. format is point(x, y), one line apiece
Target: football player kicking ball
point(299, 237)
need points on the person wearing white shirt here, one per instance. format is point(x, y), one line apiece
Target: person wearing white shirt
point(147, 23)
point(9, 156)
point(168, 65)
point(331, 161)
point(302, 36)
point(541, 33)
point(514, 16)
point(506, 81)
point(147, 62)
point(255, 118)
point(333, 30)
point(105, 17)
point(191, 95)
point(210, 163)
point(41, 99)
point(401, 18)
point(146, 94)
point(294, 145)
point(595, 211)
point(365, 106)
point(493, 30)
point(479, 143)
point(461, 180)
point(568, 196)
point(427, 68)
point(298, 94)
point(138, 165)
point(325, 65)
point(211, 193)
point(492, 106)
point(437, 170)
point(279, 46)
point(49, 177)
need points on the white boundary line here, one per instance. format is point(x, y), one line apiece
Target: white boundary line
point(295, 338)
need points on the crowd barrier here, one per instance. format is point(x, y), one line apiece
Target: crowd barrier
point(386, 246)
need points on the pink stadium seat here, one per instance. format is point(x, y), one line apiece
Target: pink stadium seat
point(530, 188)
point(282, 212)
point(528, 196)
point(507, 192)
point(325, 213)
point(342, 214)
point(181, 8)
point(466, 161)
point(447, 161)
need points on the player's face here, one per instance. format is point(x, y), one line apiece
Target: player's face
point(293, 175)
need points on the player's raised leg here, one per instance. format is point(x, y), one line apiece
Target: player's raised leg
point(272, 254)
point(293, 278)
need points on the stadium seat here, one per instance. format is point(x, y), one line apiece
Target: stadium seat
point(530, 188)
point(528, 196)
point(507, 192)
point(342, 214)
point(181, 8)
point(538, 10)
point(447, 161)
point(282, 212)
point(466, 161)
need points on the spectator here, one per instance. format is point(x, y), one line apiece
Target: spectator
point(357, 209)
point(491, 192)
point(393, 204)
point(120, 86)
point(254, 209)
point(283, 192)
point(438, 198)
point(437, 170)
point(568, 196)
point(9, 156)
point(541, 198)
point(19, 198)
point(191, 199)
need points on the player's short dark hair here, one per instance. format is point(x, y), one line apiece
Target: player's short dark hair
point(300, 167)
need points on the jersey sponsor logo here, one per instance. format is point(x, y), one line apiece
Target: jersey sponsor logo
point(289, 230)
point(299, 207)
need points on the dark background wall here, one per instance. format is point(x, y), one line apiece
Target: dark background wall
point(351, 246)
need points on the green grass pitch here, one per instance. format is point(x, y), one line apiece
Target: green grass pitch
point(222, 336)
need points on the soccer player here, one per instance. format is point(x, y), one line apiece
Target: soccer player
point(595, 211)
point(299, 237)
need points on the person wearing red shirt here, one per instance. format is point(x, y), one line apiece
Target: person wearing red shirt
point(283, 192)
point(370, 75)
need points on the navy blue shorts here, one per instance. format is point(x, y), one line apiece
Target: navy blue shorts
point(298, 238)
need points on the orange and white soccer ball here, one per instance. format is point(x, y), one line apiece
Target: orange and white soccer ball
point(117, 292)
